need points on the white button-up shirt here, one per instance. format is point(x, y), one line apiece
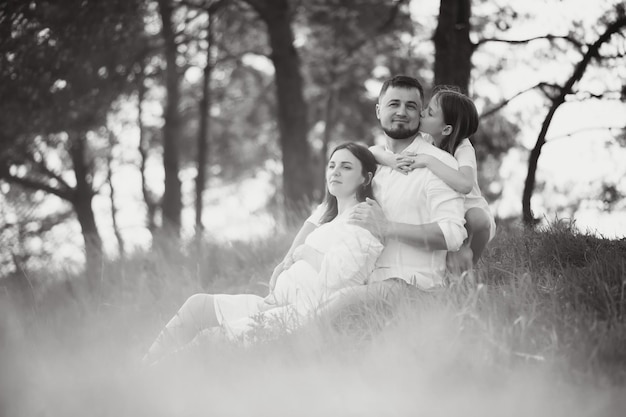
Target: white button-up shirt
point(418, 198)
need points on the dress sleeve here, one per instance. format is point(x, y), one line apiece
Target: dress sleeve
point(351, 260)
point(466, 155)
point(317, 214)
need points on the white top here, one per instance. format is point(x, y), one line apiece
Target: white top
point(417, 198)
point(350, 254)
point(466, 157)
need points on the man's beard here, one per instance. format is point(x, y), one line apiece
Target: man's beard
point(400, 132)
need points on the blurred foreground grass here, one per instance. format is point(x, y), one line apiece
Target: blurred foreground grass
point(540, 332)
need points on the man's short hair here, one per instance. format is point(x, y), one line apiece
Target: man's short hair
point(402, 81)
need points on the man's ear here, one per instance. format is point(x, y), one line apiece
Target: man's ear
point(447, 130)
point(377, 111)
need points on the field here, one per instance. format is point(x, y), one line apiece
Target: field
point(539, 331)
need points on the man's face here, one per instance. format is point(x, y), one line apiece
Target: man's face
point(399, 112)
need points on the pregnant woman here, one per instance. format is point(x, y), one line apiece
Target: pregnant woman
point(335, 256)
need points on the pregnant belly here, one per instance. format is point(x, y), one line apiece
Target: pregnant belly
point(298, 282)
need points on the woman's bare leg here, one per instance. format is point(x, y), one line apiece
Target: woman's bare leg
point(195, 315)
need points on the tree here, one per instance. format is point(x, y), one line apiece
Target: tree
point(171, 202)
point(62, 67)
point(453, 48)
point(292, 109)
point(557, 95)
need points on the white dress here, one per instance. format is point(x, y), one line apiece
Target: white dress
point(466, 156)
point(350, 254)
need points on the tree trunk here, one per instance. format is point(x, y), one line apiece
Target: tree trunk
point(453, 48)
point(533, 159)
point(329, 125)
point(116, 229)
point(148, 197)
point(203, 133)
point(171, 203)
point(298, 182)
point(81, 200)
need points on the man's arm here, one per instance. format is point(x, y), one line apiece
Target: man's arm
point(446, 231)
point(370, 216)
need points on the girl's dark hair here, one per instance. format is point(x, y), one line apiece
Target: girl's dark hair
point(459, 112)
point(368, 163)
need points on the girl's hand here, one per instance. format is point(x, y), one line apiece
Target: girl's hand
point(420, 161)
point(403, 161)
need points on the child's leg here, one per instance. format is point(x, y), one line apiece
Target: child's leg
point(195, 315)
point(478, 226)
point(461, 260)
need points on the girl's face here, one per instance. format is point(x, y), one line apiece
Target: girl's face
point(343, 174)
point(432, 120)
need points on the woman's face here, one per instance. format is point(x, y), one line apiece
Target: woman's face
point(343, 174)
point(432, 119)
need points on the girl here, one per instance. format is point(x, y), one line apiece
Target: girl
point(335, 256)
point(450, 119)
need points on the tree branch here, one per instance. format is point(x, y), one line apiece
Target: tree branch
point(39, 186)
point(505, 102)
point(607, 95)
point(47, 171)
point(551, 38)
point(586, 129)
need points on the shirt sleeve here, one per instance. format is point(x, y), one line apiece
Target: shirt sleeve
point(446, 206)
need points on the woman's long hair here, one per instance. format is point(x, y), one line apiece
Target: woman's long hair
point(459, 112)
point(368, 164)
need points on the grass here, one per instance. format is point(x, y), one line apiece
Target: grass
point(540, 331)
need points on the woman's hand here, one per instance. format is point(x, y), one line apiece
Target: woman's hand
point(311, 256)
point(277, 271)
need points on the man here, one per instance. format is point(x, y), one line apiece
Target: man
point(416, 215)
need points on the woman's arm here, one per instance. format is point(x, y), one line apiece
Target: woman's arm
point(304, 231)
point(461, 180)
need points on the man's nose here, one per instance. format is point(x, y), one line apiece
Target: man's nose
point(401, 109)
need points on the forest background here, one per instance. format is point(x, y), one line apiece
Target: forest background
point(152, 149)
point(128, 122)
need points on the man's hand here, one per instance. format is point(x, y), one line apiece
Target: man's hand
point(369, 215)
